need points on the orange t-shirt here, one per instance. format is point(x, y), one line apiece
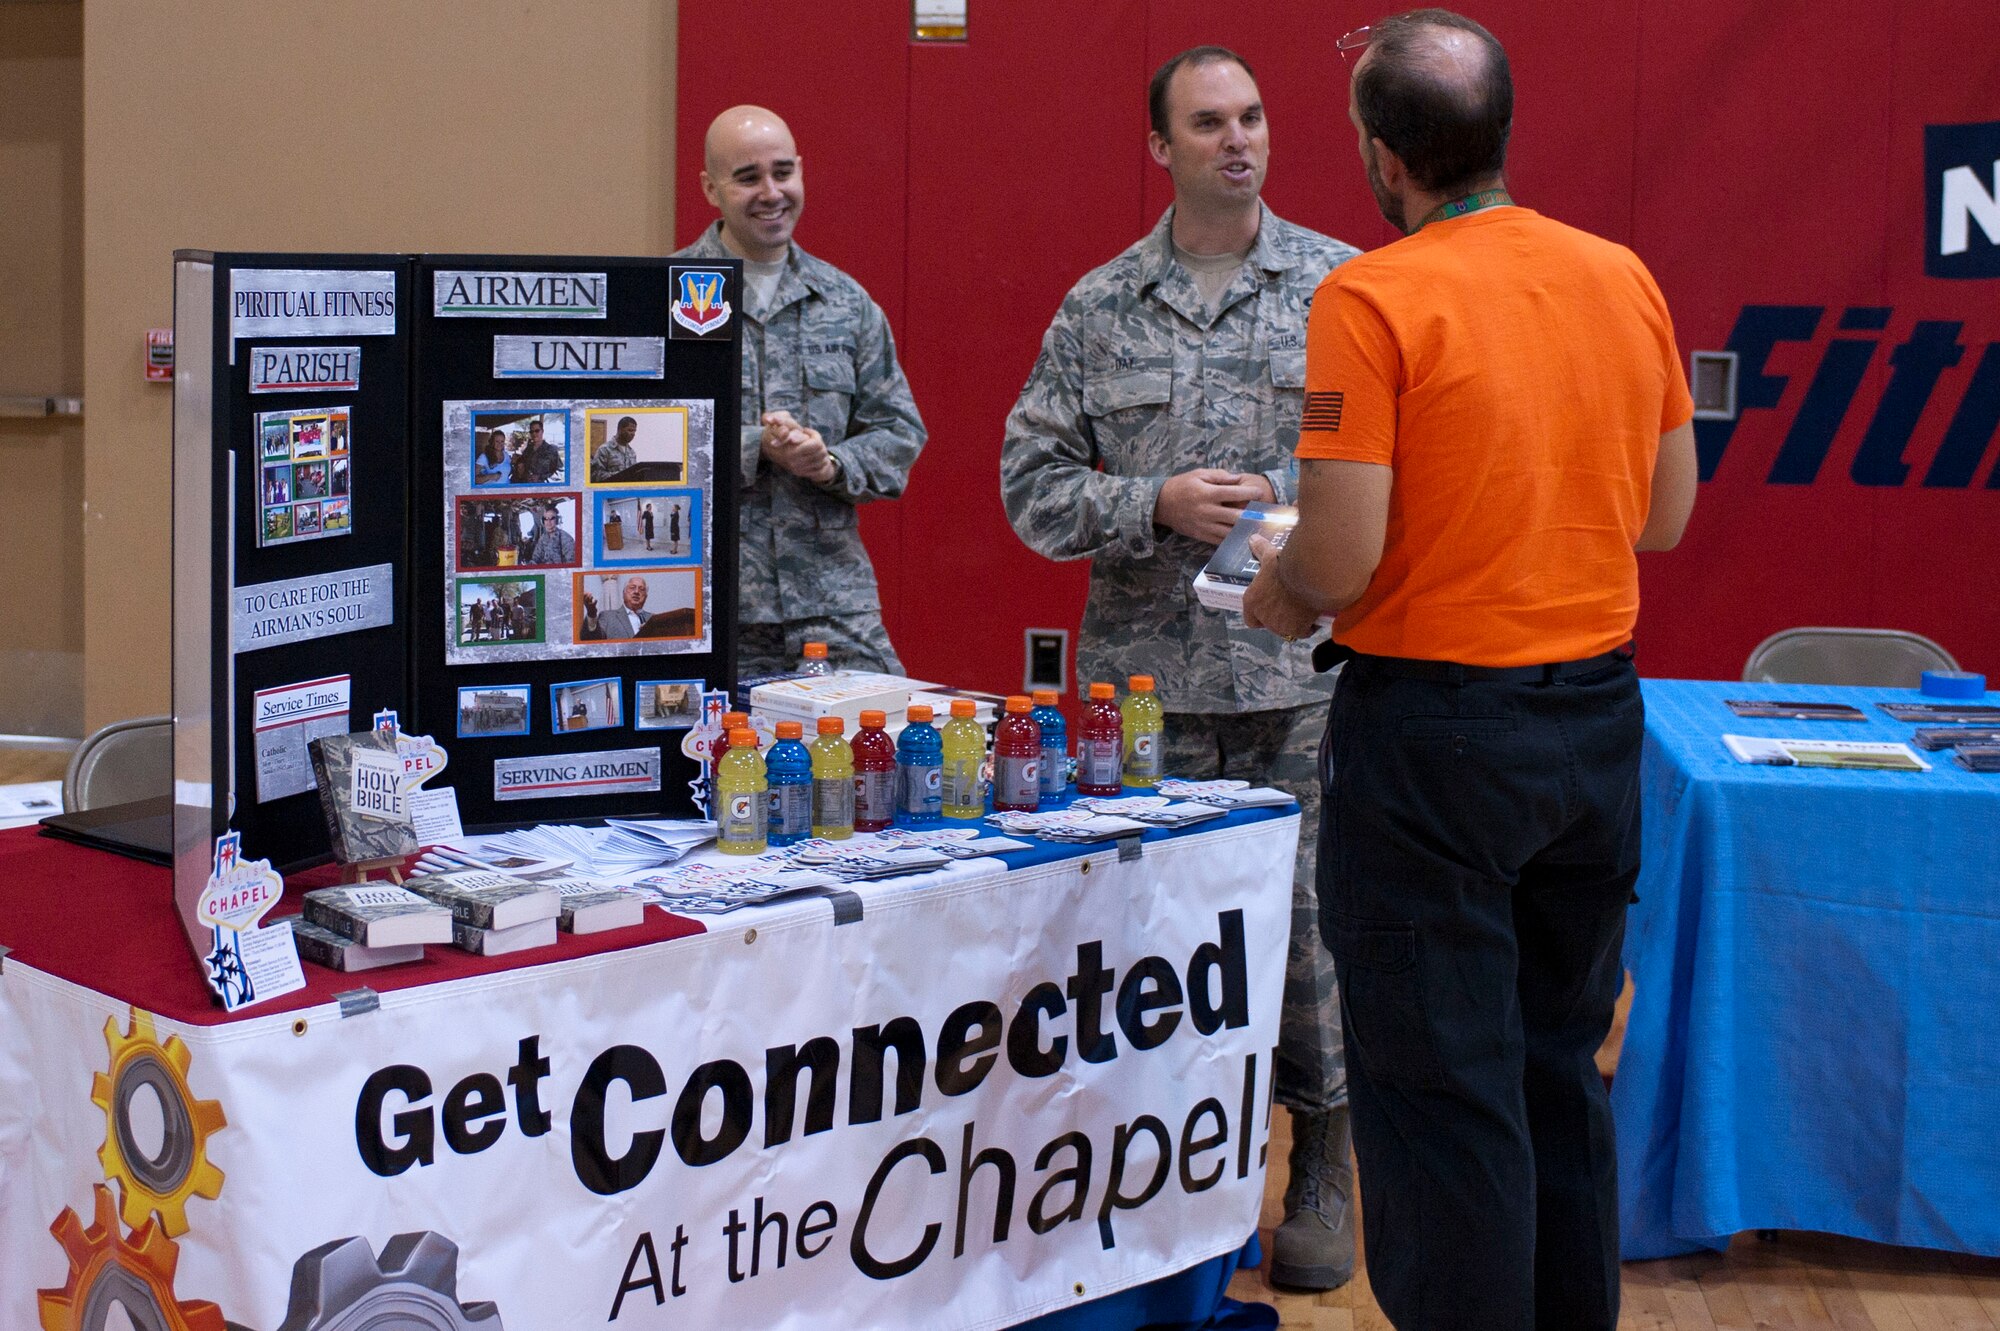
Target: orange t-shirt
point(1517, 375)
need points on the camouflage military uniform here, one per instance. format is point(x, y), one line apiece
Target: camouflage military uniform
point(1138, 380)
point(823, 352)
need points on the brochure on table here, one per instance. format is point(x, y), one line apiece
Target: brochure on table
point(478, 490)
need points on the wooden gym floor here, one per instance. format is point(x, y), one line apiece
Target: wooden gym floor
point(1799, 1282)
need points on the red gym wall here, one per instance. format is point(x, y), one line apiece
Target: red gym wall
point(1767, 162)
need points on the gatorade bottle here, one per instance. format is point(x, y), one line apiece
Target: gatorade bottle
point(833, 782)
point(731, 723)
point(788, 767)
point(1145, 733)
point(919, 770)
point(1017, 759)
point(874, 774)
point(1055, 746)
point(815, 662)
point(1100, 744)
point(742, 819)
point(964, 753)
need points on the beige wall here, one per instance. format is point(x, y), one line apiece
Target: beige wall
point(41, 353)
point(512, 126)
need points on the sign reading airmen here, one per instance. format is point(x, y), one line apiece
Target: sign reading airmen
point(579, 357)
point(305, 369)
point(300, 302)
point(461, 295)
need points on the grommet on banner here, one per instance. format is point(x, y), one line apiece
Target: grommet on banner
point(298, 1026)
point(1084, 867)
point(749, 935)
point(357, 1001)
point(1079, 1288)
point(1953, 684)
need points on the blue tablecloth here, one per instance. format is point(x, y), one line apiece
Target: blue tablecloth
point(1815, 1036)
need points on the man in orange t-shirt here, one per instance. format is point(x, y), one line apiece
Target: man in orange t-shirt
point(1495, 420)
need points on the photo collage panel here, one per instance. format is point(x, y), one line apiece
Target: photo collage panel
point(304, 475)
point(575, 530)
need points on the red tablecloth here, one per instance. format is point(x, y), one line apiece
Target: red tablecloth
point(109, 923)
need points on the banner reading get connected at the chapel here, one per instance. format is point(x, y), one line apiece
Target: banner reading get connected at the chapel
point(983, 1100)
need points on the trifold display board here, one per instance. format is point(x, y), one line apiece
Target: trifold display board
point(480, 490)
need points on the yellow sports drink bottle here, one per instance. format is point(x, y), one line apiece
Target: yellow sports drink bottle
point(964, 754)
point(1145, 733)
point(742, 822)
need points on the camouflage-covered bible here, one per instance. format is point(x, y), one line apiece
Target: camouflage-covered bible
point(357, 836)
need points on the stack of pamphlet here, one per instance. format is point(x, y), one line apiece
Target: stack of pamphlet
point(621, 847)
point(1865, 755)
point(378, 915)
point(1074, 825)
point(1152, 810)
point(844, 693)
point(323, 947)
point(717, 889)
point(493, 914)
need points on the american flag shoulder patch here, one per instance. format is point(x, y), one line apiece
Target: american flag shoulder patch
point(1322, 411)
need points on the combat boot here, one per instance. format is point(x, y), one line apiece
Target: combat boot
point(1314, 1247)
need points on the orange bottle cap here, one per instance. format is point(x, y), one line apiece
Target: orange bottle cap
point(731, 720)
point(1102, 692)
point(790, 729)
point(743, 737)
point(815, 651)
point(1046, 697)
point(964, 707)
point(918, 713)
point(1018, 705)
point(832, 725)
point(1140, 683)
point(874, 720)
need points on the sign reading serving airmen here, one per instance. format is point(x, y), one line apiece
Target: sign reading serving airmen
point(463, 295)
point(304, 369)
point(307, 302)
point(612, 772)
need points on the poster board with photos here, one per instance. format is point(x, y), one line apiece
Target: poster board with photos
point(574, 541)
point(289, 534)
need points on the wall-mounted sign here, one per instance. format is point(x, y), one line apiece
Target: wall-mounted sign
point(301, 302)
point(579, 357)
point(937, 20)
point(463, 295)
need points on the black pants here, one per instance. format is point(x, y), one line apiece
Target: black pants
point(1478, 846)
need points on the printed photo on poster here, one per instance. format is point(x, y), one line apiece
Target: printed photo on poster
point(277, 439)
point(494, 709)
point(518, 531)
point(520, 448)
point(667, 704)
point(647, 527)
point(587, 704)
point(638, 605)
point(305, 466)
point(496, 611)
point(636, 445)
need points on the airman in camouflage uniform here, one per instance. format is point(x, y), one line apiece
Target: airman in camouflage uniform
point(828, 422)
point(1142, 380)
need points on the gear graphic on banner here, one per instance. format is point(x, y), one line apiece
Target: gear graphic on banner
point(340, 1286)
point(109, 1270)
point(160, 1181)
